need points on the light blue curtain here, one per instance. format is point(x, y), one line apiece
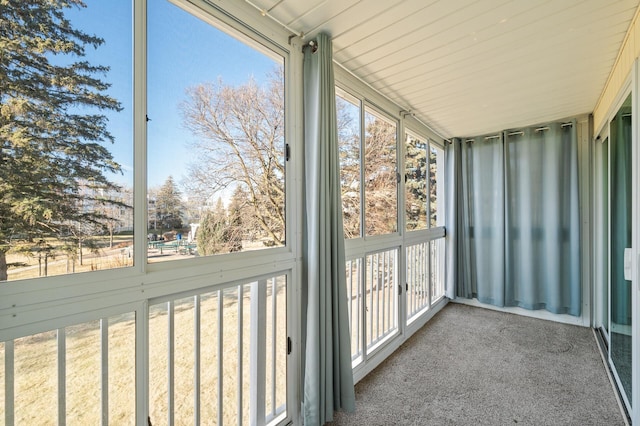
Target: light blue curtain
point(543, 219)
point(456, 281)
point(328, 377)
point(517, 219)
point(483, 165)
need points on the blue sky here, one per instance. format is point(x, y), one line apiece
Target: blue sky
point(182, 51)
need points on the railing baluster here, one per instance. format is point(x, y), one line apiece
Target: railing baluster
point(411, 277)
point(104, 370)
point(239, 343)
point(349, 283)
point(220, 358)
point(62, 376)
point(9, 386)
point(361, 306)
point(419, 279)
point(385, 290)
point(258, 352)
point(369, 289)
point(424, 276)
point(393, 294)
point(170, 362)
point(196, 359)
point(377, 301)
point(274, 317)
point(391, 290)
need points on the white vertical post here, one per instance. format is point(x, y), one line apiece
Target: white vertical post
point(369, 323)
point(393, 272)
point(142, 364)
point(220, 358)
point(9, 396)
point(360, 304)
point(104, 370)
point(258, 351)
point(386, 290)
point(196, 360)
point(349, 269)
point(363, 306)
point(377, 299)
point(441, 252)
point(416, 285)
point(430, 271)
point(140, 205)
point(240, 333)
point(62, 379)
point(274, 336)
point(170, 363)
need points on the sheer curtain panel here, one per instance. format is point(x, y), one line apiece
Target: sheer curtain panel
point(328, 377)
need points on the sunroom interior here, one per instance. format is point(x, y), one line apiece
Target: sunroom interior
point(301, 185)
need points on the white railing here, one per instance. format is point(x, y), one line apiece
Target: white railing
point(376, 296)
point(424, 276)
point(417, 277)
point(354, 294)
point(437, 269)
point(223, 358)
point(81, 374)
point(216, 356)
point(381, 297)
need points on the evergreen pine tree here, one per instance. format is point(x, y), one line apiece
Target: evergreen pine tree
point(52, 126)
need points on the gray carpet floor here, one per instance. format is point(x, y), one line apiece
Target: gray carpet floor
point(472, 366)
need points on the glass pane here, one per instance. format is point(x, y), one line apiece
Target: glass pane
point(66, 204)
point(436, 186)
point(621, 214)
point(36, 379)
point(348, 113)
point(381, 184)
point(416, 183)
point(216, 166)
point(83, 371)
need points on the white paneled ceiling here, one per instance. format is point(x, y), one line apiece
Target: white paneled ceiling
point(469, 67)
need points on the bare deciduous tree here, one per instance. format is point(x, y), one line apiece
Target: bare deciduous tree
point(240, 144)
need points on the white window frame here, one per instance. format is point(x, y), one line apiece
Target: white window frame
point(35, 305)
point(359, 248)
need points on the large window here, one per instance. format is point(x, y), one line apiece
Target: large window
point(348, 118)
point(200, 341)
point(371, 159)
point(423, 183)
point(380, 174)
point(394, 258)
point(216, 162)
point(436, 186)
point(66, 138)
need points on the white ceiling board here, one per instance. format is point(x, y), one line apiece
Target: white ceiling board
point(468, 67)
